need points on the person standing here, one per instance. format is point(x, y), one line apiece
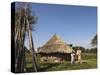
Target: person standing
point(73, 57)
point(79, 56)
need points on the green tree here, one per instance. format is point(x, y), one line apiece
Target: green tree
point(94, 41)
point(79, 47)
point(93, 50)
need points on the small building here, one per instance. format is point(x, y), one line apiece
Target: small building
point(55, 50)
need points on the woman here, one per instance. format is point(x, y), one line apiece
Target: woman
point(79, 56)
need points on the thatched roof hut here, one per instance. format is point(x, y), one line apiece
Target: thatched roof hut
point(55, 44)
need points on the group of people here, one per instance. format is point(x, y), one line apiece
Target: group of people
point(76, 56)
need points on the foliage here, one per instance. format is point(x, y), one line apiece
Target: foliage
point(79, 47)
point(92, 50)
point(24, 19)
point(23, 9)
point(94, 40)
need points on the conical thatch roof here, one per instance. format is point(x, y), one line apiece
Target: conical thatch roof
point(54, 40)
point(55, 44)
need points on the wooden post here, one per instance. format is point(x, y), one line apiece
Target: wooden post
point(31, 45)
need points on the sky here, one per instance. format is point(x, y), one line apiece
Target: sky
point(75, 25)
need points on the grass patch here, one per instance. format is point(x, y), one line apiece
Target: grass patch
point(89, 64)
point(89, 61)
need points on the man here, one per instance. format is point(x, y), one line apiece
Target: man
point(73, 57)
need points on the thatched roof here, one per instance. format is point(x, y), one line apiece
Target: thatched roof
point(55, 44)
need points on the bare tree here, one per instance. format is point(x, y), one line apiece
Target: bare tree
point(23, 23)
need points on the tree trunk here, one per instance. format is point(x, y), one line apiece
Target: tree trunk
point(19, 47)
point(31, 45)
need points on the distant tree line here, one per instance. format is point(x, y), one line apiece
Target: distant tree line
point(88, 50)
point(85, 50)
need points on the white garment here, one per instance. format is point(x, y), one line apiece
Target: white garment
point(79, 56)
point(72, 58)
